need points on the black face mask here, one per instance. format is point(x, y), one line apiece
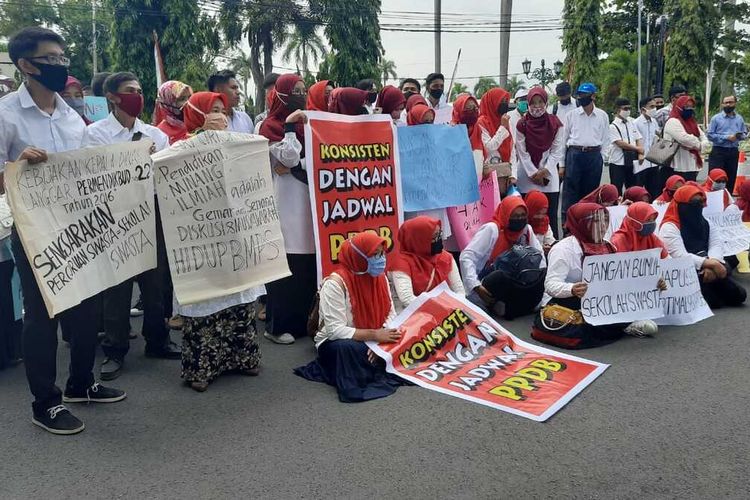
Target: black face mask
point(515, 225)
point(436, 247)
point(53, 76)
point(363, 111)
point(408, 94)
point(729, 109)
point(565, 102)
point(436, 93)
point(502, 108)
point(658, 106)
point(295, 102)
point(584, 101)
point(687, 113)
point(372, 97)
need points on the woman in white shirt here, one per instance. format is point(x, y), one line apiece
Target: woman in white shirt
point(420, 263)
point(355, 304)
point(685, 232)
point(289, 299)
point(682, 128)
point(494, 124)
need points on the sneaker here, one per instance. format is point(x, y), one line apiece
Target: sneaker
point(284, 338)
point(642, 328)
point(137, 309)
point(97, 393)
point(111, 368)
point(58, 420)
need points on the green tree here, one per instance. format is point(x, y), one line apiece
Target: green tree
point(387, 69)
point(514, 85)
point(618, 77)
point(580, 40)
point(484, 84)
point(304, 46)
point(458, 89)
point(17, 15)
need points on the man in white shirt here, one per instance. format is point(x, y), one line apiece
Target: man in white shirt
point(647, 173)
point(564, 104)
point(225, 82)
point(626, 148)
point(33, 121)
point(124, 93)
point(587, 132)
point(436, 99)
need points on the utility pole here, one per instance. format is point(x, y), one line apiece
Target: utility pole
point(506, 9)
point(438, 9)
point(93, 35)
point(661, 22)
point(648, 55)
point(640, 74)
point(728, 28)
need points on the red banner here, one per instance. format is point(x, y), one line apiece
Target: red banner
point(453, 347)
point(355, 185)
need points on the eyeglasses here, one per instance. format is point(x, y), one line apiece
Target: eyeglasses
point(53, 60)
point(299, 92)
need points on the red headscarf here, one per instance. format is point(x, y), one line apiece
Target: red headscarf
point(414, 258)
point(203, 101)
point(272, 127)
point(536, 201)
point(606, 193)
point(489, 119)
point(540, 132)
point(627, 238)
point(636, 193)
point(669, 187)
point(347, 101)
point(578, 223)
point(73, 81)
point(743, 200)
point(475, 135)
point(417, 114)
point(717, 175)
point(506, 238)
point(682, 195)
point(414, 100)
point(690, 125)
point(316, 96)
point(390, 99)
point(369, 297)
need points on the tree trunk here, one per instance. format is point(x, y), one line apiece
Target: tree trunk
point(257, 71)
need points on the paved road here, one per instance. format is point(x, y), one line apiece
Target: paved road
point(668, 419)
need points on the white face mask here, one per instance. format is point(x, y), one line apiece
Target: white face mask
point(651, 112)
point(536, 112)
point(625, 113)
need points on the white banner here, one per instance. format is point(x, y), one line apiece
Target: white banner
point(682, 301)
point(617, 214)
point(734, 233)
point(219, 215)
point(85, 218)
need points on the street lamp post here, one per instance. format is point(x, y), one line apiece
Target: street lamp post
point(544, 74)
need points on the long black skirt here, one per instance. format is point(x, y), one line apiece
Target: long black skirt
point(344, 365)
point(289, 299)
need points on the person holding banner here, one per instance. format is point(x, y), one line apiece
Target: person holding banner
point(348, 101)
point(168, 112)
point(635, 194)
point(494, 124)
point(605, 195)
point(673, 183)
point(539, 220)
point(637, 231)
point(391, 102)
point(319, 95)
point(420, 263)
point(686, 232)
point(289, 299)
point(355, 304)
point(717, 181)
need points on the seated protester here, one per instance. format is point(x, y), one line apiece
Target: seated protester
point(168, 112)
point(717, 181)
point(560, 323)
point(484, 252)
point(421, 264)
point(605, 195)
point(391, 102)
point(538, 205)
point(219, 335)
point(686, 232)
point(420, 115)
point(348, 101)
point(637, 230)
point(674, 183)
point(355, 303)
point(635, 194)
point(319, 96)
point(743, 200)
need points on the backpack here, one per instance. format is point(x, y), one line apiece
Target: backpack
point(520, 264)
point(516, 280)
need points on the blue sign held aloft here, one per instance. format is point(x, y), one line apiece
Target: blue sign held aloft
point(95, 108)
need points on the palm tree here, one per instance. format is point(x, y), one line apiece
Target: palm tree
point(617, 78)
point(387, 69)
point(514, 85)
point(458, 89)
point(240, 64)
point(484, 84)
point(304, 47)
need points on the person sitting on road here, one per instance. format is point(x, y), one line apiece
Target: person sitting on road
point(717, 181)
point(538, 205)
point(635, 194)
point(674, 183)
point(637, 231)
point(605, 195)
point(743, 200)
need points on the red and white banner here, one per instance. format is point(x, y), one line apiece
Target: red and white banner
point(353, 172)
point(451, 346)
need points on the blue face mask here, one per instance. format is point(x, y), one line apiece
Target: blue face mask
point(719, 186)
point(647, 228)
point(375, 264)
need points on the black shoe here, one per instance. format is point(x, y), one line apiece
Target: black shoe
point(170, 350)
point(97, 393)
point(137, 309)
point(111, 368)
point(58, 420)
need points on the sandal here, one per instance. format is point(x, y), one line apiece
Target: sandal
point(199, 386)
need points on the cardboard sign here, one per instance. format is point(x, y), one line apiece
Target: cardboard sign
point(85, 218)
point(219, 215)
point(354, 179)
point(451, 346)
point(95, 108)
point(467, 219)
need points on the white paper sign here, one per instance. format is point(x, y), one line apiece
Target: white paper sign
point(735, 235)
point(682, 302)
point(617, 214)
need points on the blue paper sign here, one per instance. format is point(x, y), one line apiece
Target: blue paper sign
point(95, 107)
point(437, 167)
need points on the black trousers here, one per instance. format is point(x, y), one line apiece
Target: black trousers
point(288, 300)
point(583, 174)
point(40, 338)
point(649, 179)
point(10, 329)
point(620, 176)
point(726, 159)
point(723, 293)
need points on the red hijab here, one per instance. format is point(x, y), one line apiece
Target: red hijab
point(489, 119)
point(690, 125)
point(414, 257)
point(347, 101)
point(369, 297)
point(636, 193)
point(540, 132)
point(417, 114)
point(717, 175)
point(536, 202)
point(627, 238)
point(606, 193)
point(670, 187)
point(203, 101)
point(414, 100)
point(682, 195)
point(316, 96)
point(475, 135)
point(390, 99)
point(272, 127)
point(505, 237)
point(578, 223)
point(743, 200)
